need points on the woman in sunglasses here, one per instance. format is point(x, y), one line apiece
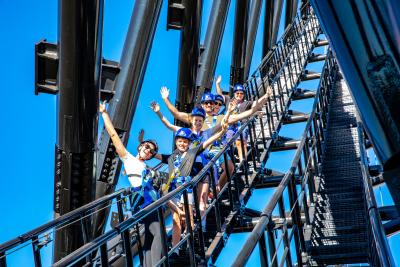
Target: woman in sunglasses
point(137, 172)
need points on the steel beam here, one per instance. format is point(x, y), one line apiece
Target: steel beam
point(388, 213)
point(291, 7)
point(239, 43)
point(212, 45)
point(188, 54)
point(254, 18)
point(277, 20)
point(127, 88)
point(364, 36)
point(392, 227)
point(79, 52)
point(268, 26)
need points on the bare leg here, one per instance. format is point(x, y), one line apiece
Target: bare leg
point(203, 196)
point(176, 228)
point(239, 148)
point(223, 177)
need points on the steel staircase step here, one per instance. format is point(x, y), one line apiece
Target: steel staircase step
point(342, 258)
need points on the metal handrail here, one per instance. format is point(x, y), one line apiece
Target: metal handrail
point(125, 225)
point(266, 215)
point(380, 247)
point(60, 221)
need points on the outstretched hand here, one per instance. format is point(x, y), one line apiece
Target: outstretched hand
point(232, 105)
point(102, 107)
point(218, 80)
point(155, 106)
point(141, 136)
point(164, 92)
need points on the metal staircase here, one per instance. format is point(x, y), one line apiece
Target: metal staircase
point(320, 212)
point(339, 231)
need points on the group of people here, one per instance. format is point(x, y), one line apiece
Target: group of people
point(211, 127)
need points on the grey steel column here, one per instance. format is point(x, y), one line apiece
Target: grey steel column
point(128, 84)
point(212, 44)
point(239, 43)
point(291, 7)
point(277, 20)
point(268, 26)
point(365, 38)
point(254, 18)
point(79, 51)
point(189, 54)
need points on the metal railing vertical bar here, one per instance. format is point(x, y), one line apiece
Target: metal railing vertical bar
point(125, 236)
point(272, 247)
point(380, 248)
point(285, 235)
point(36, 252)
point(189, 228)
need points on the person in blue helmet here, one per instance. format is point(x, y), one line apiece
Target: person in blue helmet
point(242, 107)
point(183, 164)
point(145, 186)
point(197, 115)
point(219, 103)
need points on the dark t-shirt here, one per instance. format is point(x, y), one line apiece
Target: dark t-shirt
point(191, 163)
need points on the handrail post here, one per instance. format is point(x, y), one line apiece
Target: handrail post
point(244, 163)
point(36, 251)
point(199, 225)
point(125, 235)
point(216, 206)
point(189, 228)
point(228, 181)
point(263, 251)
point(160, 215)
point(3, 260)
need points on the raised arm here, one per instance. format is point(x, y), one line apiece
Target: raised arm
point(156, 108)
point(182, 116)
point(219, 89)
point(257, 105)
point(119, 146)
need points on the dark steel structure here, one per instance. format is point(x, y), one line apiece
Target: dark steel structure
point(79, 52)
point(127, 86)
point(291, 10)
point(239, 43)
point(268, 26)
point(254, 18)
point(364, 36)
point(188, 14)
point(323, 209)
point(211, 46)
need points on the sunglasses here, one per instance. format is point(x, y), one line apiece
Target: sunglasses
point(147, 146)
point(218, 104)
point(208, 103)
point(239, 93)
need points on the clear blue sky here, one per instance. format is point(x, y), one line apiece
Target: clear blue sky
point(27, 137)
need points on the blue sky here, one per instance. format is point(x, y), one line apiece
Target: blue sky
point(29, 124)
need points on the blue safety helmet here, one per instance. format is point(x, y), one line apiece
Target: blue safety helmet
point(200, 112)
point(219, 98)
point(238, 87)
point(207, 97)
point(184, 133)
